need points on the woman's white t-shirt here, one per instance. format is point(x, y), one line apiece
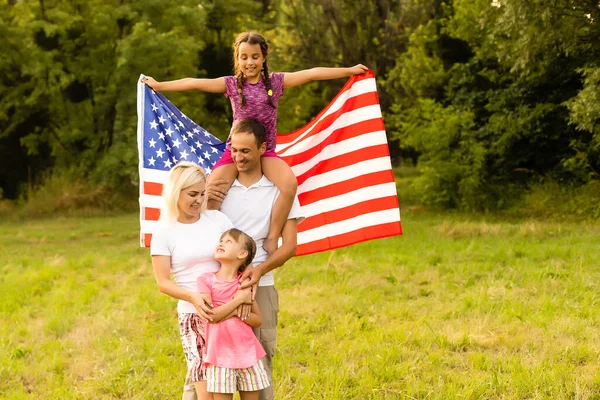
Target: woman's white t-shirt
point(191, 248)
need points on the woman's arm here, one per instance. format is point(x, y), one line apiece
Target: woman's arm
point(291, 79)
point(162, 273)
point(216, 85)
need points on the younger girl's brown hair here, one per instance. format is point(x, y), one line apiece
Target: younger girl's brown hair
point(247, 242)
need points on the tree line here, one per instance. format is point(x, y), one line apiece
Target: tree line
point(485, 97)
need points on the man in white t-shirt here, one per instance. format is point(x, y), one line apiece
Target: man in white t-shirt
point(248, 204)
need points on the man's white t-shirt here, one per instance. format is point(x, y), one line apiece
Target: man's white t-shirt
point(191, 248)
point(249, 208)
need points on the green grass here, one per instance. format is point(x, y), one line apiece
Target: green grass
point(459, 307)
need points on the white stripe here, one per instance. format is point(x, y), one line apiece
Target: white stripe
point(348, 118)
point(349, 225)
point(151, 201)
point(339, 148)
point(155, 175)
point(357, 88)
point(140, 139)
point(345, 173)
point(349, 199)
point(149, 226)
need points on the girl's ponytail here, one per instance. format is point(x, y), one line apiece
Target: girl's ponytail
point(240, 84)
point(267, 80)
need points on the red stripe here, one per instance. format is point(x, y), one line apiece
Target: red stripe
point(147, 239)
point(348, 132)
point(336, 189)
point(341, 214)
point(151, 214)
point(345, 160)
point(286, 138)
point(354, 103)
point(153, 188)
point(346, 239)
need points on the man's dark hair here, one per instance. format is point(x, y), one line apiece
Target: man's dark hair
point(250, 125)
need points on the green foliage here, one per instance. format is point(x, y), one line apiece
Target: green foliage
point(510, 87)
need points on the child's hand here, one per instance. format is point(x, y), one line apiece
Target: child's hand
point(244, 296)
point(243, 311)
point(216, 190)
point(358, 69)
point(150, 81)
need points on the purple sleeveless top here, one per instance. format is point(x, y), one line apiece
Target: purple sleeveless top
point(257, 104)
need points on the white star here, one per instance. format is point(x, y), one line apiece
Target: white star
point(168, 148)
point(184, 155)
point(206, 134)
point(151, 142)
point(151, 161)
point(168, 163)
point(154, 108)
point(162, 120)
point(181, 124)
point(200, 160)
point(193, 149)
point(198, 144)
point(177, 127)
point(196, 130)
point(160, 153)
point(174, 160)
point(207, 170)
point(169, 131)
point(190, 134)
point(153, 124)
point(161, 135)
point(176, 143)
point(185, 138)
point(215, 150)
point(206, 155)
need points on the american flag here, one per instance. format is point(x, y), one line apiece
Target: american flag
point(341, 159)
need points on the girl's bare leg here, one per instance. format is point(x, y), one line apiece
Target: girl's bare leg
point(201, 391)
point(225, 173)
point(282, 176)
point(222, 396)
point(249, 395)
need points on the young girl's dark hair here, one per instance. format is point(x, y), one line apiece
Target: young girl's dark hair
point(247, 242)
point(251, 38)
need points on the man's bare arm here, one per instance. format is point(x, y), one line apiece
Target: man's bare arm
point(287, 250)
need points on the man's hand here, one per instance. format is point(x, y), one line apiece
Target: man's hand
point(250, 277)
point(203, 304)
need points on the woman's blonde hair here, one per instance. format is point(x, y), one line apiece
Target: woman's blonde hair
point(181, 176)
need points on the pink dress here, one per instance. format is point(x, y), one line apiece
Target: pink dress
point(229, 343)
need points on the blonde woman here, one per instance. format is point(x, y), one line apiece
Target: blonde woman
point(183, 245)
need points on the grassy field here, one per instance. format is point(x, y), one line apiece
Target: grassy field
point(459, 307)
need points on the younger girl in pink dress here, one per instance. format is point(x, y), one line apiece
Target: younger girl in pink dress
point(233, 354)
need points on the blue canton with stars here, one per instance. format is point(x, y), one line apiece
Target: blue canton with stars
point(169, 136)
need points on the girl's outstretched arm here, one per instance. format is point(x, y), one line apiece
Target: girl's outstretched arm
point(291, 79)
point(216, 85)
